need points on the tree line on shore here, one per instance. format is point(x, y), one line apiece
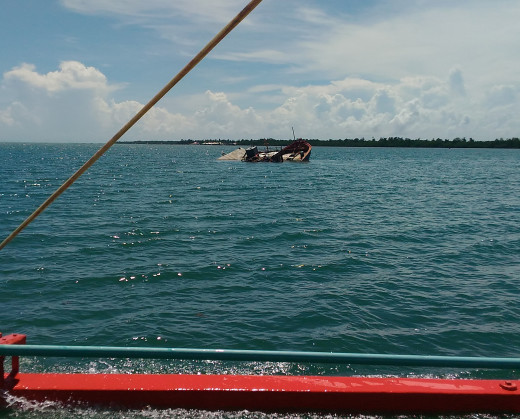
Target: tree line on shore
point(358, 142)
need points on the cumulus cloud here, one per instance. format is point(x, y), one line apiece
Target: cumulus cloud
point(71, 75)
point(75, 103)
point(59, 105)
point(354, 107)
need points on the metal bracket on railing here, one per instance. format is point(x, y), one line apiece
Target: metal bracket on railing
point(13, 339)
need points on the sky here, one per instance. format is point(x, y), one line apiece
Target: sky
point(78, 70)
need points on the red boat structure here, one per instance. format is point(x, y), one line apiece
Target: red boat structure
point(324, 394)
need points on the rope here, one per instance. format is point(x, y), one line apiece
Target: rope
point(198, 58)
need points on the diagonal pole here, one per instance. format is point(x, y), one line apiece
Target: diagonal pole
point(197, 59)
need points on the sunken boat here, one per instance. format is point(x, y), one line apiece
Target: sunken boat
point(297, 151)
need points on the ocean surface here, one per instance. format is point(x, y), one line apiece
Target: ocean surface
point(369, 250)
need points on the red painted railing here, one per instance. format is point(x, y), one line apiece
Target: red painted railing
point(262, 393)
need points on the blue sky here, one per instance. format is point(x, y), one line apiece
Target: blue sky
point(77, 70)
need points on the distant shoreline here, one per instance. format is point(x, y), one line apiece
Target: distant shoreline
point(356, 142)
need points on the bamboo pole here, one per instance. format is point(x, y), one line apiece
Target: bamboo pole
point(197, 59)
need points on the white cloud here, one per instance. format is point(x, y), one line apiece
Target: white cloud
point(426, 40)
point(503, 95)
point(71, 75)
point(74, 103)
point(457, 82)
point(155, 12)
point(60, 105)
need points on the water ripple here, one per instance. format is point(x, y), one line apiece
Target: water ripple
point(362, 250)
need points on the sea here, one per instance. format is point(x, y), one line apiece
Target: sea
point(361, 250)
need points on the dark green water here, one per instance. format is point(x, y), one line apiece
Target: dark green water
point(396, 251)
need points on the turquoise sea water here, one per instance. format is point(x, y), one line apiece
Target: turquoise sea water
point(395, 251)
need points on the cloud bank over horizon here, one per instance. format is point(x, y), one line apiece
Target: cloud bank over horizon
point(384, 69)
